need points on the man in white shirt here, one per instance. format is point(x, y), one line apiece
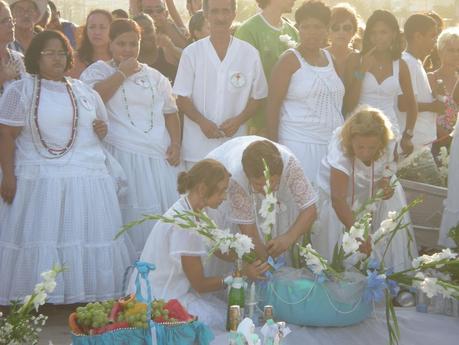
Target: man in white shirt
point(220, 84)
point(421, 35)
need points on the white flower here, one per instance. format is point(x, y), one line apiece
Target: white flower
point(350, 245)
point(429, 287)
point(388, 225)
point(392, 215)
point(242, 245)
point(49, 285)
point(39, 299)
point(287, 40)
point(356, 232)
point(313, 259)
point(49, 275)
point(445, 254)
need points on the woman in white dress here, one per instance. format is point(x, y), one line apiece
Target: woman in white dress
point(58, 203)
point(243, 158)
point(378, 75)
point(305, 93)
point(360, 161)
point(144, 126)
point(181, 255)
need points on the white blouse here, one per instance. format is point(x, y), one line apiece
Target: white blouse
point(165, 246)
point(137, 110)
point(245, 203)
point(55, 119)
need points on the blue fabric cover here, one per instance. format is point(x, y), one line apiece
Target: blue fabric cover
point(128, 336)
point(308, 302)
point(194, 332)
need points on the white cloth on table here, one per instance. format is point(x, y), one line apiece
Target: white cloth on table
point(384, 96)
point(295, 192)
point(140, 151)
point(425, 131)
point(165, 246)
point(362, 184)
point(219, 89)
point(310, 112)
point(415, 329)
point(450, 217)
point(65, 210)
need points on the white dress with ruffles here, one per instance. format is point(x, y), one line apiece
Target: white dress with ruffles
point(65, 211)
point(164, 248)
point(311, 111)
point(361, 187)
point(138, 139)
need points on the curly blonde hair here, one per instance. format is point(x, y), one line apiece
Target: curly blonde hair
point(366, 121)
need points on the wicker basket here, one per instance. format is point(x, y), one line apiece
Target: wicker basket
point(426, 217)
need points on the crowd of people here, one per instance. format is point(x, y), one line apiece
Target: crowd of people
point(134, 114)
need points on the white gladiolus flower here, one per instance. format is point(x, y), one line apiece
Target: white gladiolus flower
point(313, 261)
point(49, 275)
point(445, 254)
point(356, 232)
point(242, 245)
point(350, 245)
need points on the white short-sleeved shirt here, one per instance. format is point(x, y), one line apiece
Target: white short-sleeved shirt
point(219, 89)
point(165, 246)
point(425, 130)
point(146, 96)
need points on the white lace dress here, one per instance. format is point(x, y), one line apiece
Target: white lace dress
point(138, 139)
point(165, 246)
point(311, 111)
point(384, 96)
point(451, 211)
point(361, 186)
point(295, 192)
point(65, 211)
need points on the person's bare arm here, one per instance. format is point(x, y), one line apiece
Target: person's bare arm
point(8, 135)
point(175, 15)
point(412, 107)
point(338, 187)
point(278, 86)
point(231, 126)
point(209, 128)
point(107, 88)
point(173, 128)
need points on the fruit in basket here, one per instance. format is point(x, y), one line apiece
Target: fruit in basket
point(73, 324)
point(172, 311)
point(93, 315)
point(177, 311)
point(135, 313)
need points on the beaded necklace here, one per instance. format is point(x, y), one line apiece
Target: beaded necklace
point(126, 103)
point(55, 152)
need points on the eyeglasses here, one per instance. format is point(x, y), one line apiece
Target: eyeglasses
point(54, 53)
point(345, 27)
point(7, 20)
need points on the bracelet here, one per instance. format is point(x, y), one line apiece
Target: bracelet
point(359, 75)
point(122, 74)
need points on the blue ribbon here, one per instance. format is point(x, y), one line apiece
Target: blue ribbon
point(394, 289)
point(376, 284)
point(143, 269)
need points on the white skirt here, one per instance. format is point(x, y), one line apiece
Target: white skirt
point(69, 219)
point(152, 189)
point(310, 156)
point(329, 230)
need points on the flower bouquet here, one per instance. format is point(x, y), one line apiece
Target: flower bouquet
point(428, 274)
point(21, 325)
